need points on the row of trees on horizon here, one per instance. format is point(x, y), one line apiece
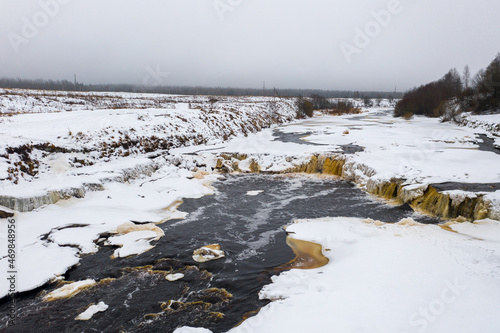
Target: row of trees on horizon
point(64, 85)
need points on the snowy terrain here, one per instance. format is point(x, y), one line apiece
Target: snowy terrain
point(419, 150)
point(51, 239)
point(112, 161)
point(416, 152)
point(83, 148)
point(490, 123)
point(111, 166)
point(402, 277)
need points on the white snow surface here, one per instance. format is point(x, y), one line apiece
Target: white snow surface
point(254, 193)
point(174, 277)
point(421, 150)
point(488, 230)
point(81, 221)
point(390, 278)
point(37, 263)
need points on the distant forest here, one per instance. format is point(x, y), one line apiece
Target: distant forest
point(455, 93)
point(65, 85)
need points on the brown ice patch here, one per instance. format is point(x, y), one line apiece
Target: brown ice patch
point(308, 255)
point(129, 227)
point(69, 290)
point(208, 252)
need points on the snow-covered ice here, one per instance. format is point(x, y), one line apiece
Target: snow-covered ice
point(92, 310)
point(254, 193)
point(174, 277)
point(69, 290)
point(97, 147)
point(419, 150)
point(416, 152)
point(192, 330)
point(208, 253)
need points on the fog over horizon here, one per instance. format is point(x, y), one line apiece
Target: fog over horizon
point(335, 45)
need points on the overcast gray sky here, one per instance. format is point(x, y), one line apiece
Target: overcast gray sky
point(287, 43)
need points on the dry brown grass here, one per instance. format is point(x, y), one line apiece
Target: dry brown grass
point(338, 112)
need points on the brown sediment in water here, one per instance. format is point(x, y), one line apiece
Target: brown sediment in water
point(204, 308)
point(66, 291)
point(174, 205)
point(246, 316)
point(308, 255)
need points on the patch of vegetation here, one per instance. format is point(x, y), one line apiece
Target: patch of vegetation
point(304, 108)
point(426, 99)
point(408, 115)
point(25, 166)
point(334, 108)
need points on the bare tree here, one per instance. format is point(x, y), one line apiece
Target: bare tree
point(466, 77)
point(367, 102)
point(303, 107)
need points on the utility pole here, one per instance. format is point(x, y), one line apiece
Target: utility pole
point(264, 89)
point(276, 92)
point(75, 82)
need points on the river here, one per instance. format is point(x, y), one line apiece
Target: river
point(249, 229)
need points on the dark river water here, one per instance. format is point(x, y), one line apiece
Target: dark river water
point(249, 230)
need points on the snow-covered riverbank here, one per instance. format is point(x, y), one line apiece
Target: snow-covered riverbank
point(111, 168)
point(411, 154)
point(110, 165)
point(67, 148)
point(402, 277)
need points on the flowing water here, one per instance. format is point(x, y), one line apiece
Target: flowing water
point(249, 230)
